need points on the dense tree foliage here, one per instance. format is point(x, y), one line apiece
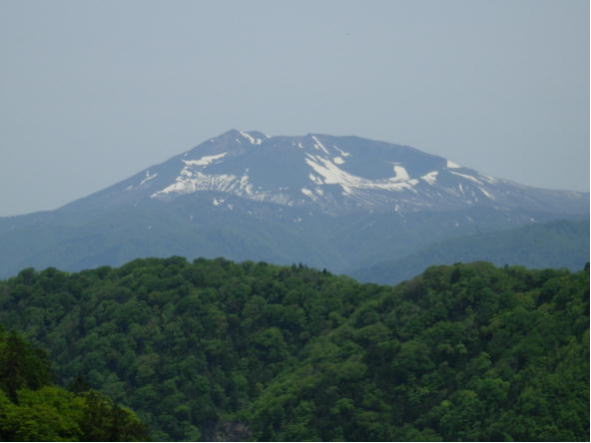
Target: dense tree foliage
point(460, 353)
point(218, 350)
point(33, 409)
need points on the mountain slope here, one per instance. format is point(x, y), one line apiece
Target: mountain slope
point(548, 245)
point(331, 202)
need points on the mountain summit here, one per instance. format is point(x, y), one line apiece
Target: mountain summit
point(337, 175)
point(340, 203)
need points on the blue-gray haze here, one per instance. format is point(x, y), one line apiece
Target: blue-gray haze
point(91, 92)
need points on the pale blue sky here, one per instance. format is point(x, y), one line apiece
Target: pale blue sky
point(93, 91)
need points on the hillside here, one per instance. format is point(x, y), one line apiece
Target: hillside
point(558, 244)
point(218, 350)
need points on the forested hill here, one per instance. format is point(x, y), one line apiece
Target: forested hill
point(218, 350)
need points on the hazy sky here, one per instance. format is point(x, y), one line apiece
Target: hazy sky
point(94, 91)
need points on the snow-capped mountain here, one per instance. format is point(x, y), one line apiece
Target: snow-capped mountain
point(337, 175)
point(341, 203)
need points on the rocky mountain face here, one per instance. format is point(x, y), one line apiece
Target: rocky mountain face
point(335, 202)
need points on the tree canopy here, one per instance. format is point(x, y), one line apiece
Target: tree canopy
point(218, 350)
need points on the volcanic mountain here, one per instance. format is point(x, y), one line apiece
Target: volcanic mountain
point(327, 201)
point(335, 175)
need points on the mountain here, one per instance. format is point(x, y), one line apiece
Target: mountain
point(542, 245)
point(217, 351)
point(334, 175)
point(331, 202)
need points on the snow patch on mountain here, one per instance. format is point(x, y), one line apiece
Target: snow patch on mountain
point(340, 151)
point(468, 177)
point(319, 146)
point(205, 160)
point(308, 193)
point(400, 173)
point(250, 138)
point(333, 175)
point(315, 179)
point(430, 177)
point(191, 182)
point(194, 181)
point(486, 193)
point(148, 177)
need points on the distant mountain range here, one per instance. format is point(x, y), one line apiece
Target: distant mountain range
point(557, 244)
point(342, 203)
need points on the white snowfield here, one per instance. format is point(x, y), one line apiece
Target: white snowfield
point(190, 181)
point(331, 174)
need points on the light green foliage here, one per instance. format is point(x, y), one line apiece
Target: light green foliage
point(49, 413)
point(33, 410)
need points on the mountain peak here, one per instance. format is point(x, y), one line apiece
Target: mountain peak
point(252, 137)
point(333, 174)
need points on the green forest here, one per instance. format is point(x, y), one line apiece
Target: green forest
point(216, 350)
